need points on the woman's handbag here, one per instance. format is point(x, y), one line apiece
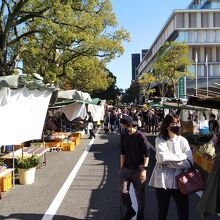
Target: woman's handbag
point(190, 181)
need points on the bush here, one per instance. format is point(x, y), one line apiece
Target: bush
point(26, 163)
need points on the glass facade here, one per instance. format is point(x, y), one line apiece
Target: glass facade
point(199, 36)
point(205, 4)
point(213, 70)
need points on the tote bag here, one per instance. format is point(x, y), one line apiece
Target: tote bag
point(190, 181)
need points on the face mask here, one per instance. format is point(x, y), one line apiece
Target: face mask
point(175, 129)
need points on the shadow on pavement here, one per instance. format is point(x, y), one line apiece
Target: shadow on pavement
point(27, 216)
point(104, 201)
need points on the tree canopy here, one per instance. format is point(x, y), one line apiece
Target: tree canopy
point(66, 42)
point(171, 64)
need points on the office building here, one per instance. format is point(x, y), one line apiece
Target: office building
point(135, 61)
point(199, 27)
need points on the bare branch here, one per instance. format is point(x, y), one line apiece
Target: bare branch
point(23, 35)
point(31, 15)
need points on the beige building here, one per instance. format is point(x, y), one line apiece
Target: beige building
point(199, 27)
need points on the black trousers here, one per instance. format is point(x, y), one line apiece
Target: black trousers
point(126, 177)
point(91, 133)
point(182, 203)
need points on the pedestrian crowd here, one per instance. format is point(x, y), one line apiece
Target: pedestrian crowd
point(173, 155)
point(147, 119)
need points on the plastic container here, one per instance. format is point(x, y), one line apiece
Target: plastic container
point(6, 182)
point(204, 130)
point(68, 146)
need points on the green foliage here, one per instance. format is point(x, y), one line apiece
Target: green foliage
point(145, 83)
point(26, 163)
point(59, 40)
point(170, 65)
point(110, 94)
point(132, 93)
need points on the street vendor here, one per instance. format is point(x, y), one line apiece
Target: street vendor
point(209, 203)
point(213, 124)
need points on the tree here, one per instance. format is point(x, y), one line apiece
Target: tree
point(146, 82)
point(170, 65)
point(54, 38)
point(112, 93)
point(132, 93)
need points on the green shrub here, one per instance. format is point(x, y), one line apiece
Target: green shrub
point(26, 163)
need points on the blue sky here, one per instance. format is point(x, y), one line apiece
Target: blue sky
point(143, 19)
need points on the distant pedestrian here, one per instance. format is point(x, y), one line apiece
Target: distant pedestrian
point(172, 155)
point(90, 126)
point(133, 165)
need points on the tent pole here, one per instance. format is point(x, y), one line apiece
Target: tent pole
point(13, 165)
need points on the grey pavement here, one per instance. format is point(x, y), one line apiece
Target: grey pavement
point(93, 194)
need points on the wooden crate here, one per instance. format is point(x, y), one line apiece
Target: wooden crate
point(53, 144)
point(70, 146)
point(209, 165)
point(6, 182)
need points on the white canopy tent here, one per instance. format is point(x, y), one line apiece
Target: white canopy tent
point(78, 109)
point(22, 115)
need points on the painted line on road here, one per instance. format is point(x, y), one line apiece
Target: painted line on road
point(52, 210)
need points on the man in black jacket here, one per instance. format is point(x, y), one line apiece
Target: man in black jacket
point(213, 124)
point(134, 159)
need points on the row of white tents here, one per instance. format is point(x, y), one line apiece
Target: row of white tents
point(23, 111)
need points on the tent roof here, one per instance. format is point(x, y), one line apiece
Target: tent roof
point(172, 105)
point(19, 81)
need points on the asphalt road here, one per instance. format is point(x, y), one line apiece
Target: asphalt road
point(66, 189)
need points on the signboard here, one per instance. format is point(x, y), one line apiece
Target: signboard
point(182, 87)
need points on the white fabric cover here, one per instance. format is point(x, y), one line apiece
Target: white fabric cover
point(97, 112)
point(74, 94)
point(22, 114)
point(74, 110)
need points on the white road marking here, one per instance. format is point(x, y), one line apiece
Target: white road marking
point(133, 200)
point(52, 210)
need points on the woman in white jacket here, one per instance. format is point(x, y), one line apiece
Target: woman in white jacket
point(172, 155)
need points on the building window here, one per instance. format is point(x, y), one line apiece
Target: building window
point(192, 20)
point(195, 50)
point(180, 20)
point(212, 36)
point(201, 70)
point(218, 54)
point(203, 36)
point(216, 19)
point(211, 70)
point(204, 19)
point(218, 70)
point(208, 53)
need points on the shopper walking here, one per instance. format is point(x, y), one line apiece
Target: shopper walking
point(172, 155)
point(90, 126)
point(133, 165)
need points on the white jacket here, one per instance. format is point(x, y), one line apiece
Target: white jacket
point(171, 159)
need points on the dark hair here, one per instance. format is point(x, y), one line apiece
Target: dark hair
point(212, 115)
point(165, 124)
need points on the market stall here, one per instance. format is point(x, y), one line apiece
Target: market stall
point(22, 112)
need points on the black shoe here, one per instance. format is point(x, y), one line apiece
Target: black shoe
point(140, 217)
point(129, 214)
point(90, 138)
